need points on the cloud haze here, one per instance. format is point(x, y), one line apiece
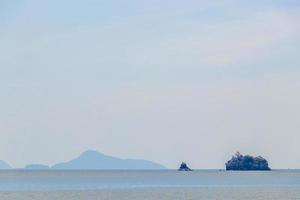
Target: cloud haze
point(168, 82)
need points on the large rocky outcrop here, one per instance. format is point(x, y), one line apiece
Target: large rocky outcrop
point(240, 162)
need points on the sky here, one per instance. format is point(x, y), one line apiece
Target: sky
point(166, 81)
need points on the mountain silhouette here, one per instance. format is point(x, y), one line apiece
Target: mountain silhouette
point(94, 160)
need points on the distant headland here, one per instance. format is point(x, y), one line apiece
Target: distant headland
point(247, 163)
point(37, 167)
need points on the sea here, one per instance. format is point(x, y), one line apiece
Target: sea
point(150, 185)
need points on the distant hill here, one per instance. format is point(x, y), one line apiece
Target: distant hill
point(37, 167)
point(95, 160)
point(4, 165)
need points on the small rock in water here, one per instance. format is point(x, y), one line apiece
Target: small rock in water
point(184, 167)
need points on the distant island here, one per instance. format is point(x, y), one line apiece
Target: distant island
point(184, 167)
point(37, 167)
point(94, 160)
point(247, 162)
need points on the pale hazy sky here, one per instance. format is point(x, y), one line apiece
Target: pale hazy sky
point(167, 81)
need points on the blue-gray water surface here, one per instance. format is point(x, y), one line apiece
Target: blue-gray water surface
point(166, 184)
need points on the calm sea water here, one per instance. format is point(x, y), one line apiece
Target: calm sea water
point(133, 185)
